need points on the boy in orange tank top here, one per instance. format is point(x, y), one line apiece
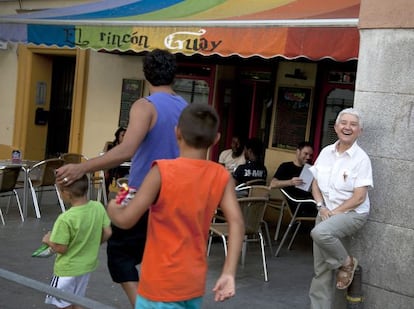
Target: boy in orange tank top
point(182, 195)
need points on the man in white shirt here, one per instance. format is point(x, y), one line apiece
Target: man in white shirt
point(342, 177)
point(233, 157)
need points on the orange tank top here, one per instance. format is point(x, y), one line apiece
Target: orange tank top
point(174, 265)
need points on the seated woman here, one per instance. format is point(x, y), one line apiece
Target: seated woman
point(119, 171)
point(119, 137)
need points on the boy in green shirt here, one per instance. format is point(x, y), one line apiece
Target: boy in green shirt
point(76, 237)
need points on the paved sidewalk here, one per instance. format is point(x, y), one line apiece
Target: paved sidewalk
point(289, 274)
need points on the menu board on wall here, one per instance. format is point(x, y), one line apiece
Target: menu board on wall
point(131, 91)
point(293, 109)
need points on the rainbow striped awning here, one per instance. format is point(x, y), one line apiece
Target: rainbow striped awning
point(315, 29)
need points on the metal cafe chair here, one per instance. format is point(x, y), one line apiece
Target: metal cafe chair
point(73, 158)
point(295, 219)
point(262, 191)
point(41, 177)
point(252, 188)
point(277, 203)
point(243, 188)
point(121, 181)
point(253, 209)
point(8, 181)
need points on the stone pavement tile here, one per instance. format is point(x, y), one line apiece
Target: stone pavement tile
point(289, 274)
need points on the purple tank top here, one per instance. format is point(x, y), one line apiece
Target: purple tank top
point(160, 142)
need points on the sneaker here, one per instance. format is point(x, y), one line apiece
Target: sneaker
point(43, 251)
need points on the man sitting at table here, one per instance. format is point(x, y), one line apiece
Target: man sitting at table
point(233, 157)
point(254, 167)
point(287, 176)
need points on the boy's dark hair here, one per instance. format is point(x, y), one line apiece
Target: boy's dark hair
point(304, 144)
point(199, 124)
point(160, 67)
point(79, 187)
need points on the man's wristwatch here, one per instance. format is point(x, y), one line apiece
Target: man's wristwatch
point(319, 205)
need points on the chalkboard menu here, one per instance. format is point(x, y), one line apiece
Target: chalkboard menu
point(293, 109)
point(131, 91)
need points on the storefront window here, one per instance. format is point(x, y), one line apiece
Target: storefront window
point(194, 82)
point(192, 90)
point(293, 112)
point(131, 91)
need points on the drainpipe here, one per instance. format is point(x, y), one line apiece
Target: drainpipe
point(354, 296)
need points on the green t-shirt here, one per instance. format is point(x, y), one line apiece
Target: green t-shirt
point(80, 228)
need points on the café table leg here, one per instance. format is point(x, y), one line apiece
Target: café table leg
point(25, 191)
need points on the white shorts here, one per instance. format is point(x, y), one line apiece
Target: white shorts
point(75, 285)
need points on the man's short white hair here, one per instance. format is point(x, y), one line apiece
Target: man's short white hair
point(351, 111)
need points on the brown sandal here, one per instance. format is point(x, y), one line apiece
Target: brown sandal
point(345, 274)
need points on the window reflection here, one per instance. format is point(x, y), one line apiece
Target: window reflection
point(192, 90)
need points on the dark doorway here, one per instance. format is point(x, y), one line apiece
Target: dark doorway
point(250, 114)
point(63, 76)
point(244, 106)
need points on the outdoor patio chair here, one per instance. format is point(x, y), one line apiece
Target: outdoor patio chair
point(295, 219)
point(261, 191)
point(278, 203)
point(252, 191)
point(121, 181)
point(253, 209)
point(242, 189)
point(8, 180)
point(73, 158)
point(41, 177)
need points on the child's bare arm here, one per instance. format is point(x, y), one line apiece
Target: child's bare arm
point(106, 233)
point(126, 217)
point(58, 248)
point(225, 286)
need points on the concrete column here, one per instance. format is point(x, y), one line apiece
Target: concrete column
point(385, 97)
